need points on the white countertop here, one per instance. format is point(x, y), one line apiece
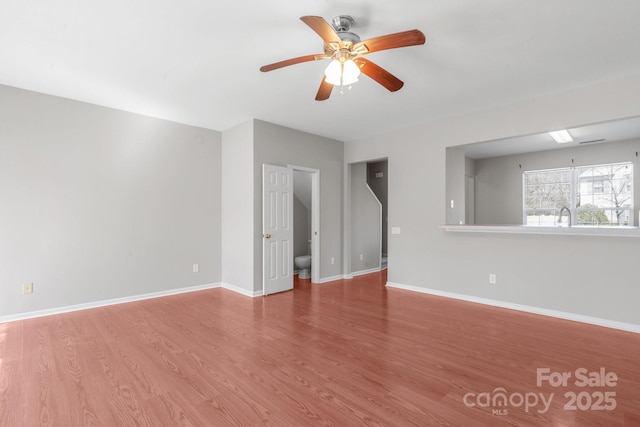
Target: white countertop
point(528, 229)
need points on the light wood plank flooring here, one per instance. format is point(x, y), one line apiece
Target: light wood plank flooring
point(344, 353)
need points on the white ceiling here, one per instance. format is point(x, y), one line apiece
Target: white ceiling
point(197, 61)
point(594, 133)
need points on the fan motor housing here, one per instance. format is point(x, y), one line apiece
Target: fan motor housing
point(348, 37)
point(342, 24)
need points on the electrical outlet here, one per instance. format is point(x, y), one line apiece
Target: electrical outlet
point(196, 268)
point(361, 257)
point(492, 279)
point(333, 260)
point(27, 288)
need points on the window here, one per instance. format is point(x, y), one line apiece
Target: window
point(597, 185)
point(597, 195)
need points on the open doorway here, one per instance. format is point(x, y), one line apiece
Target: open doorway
point(367, 212)
point(377, 181)
point(306, 219)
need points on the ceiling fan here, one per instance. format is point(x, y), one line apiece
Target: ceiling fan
point(346, 51)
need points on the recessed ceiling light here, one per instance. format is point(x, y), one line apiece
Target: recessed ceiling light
point(561, 136)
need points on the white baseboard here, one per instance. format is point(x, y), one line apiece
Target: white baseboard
point(329, 279)
point(629, 327)
point(242, 291)
point(103, 303)
point(363, 272)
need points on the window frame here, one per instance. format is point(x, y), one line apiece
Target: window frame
point(574, 196)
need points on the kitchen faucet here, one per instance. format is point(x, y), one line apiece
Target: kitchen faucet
point(568, 215)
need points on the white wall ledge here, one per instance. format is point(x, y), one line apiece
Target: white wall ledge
point(558, 231)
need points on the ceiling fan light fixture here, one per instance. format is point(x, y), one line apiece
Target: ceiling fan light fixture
point(342, 47)
point(561, 136)
point(340, 73)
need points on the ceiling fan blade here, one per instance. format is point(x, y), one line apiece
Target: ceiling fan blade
point(291, 61)
point(323, 29)
point(392, 41)
point(324, 91)
point(379, 74)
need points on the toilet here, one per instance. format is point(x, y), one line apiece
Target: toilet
point(303, 263)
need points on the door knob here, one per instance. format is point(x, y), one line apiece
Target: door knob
point(267, 236)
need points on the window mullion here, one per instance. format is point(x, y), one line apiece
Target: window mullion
point(574, 203)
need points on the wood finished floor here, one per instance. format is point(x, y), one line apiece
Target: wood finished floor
point(344, 353)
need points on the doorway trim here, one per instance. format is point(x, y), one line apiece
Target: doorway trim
point(315, 219)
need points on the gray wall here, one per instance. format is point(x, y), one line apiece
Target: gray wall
point(365, 222)
point(278, 145)
point(499, 179)
point(456, 166)
point(528, 268)
point(237, 207)
point(470, 185)
point(99, 203)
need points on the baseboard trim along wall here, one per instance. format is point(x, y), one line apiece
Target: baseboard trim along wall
point(329, 279)
point(363, 272)
point(629, 327)
point(103, 303)
point(242, 291)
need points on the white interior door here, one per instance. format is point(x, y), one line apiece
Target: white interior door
point(277, 229)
